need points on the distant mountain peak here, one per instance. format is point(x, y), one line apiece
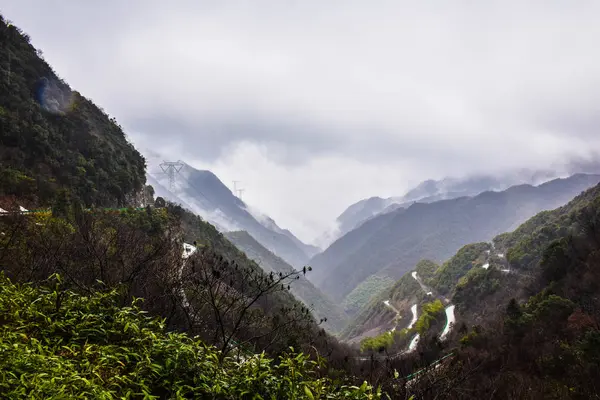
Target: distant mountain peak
point(432, 190)
point(202, 192)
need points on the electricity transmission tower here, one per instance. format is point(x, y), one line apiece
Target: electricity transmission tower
point(171, 168)
point(237, 192)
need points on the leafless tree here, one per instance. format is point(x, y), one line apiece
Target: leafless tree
point(234, 306)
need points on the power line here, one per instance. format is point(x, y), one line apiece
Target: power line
point(197, 190)
point(190, 185)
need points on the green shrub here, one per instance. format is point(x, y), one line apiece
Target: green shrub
point(430, 313)
point(55, 343)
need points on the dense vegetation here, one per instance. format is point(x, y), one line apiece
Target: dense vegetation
point(363, 293)
point(394, 341)
point(382, 342)
point(53, 138)
point(230, 302)
point(141, 251)
point(452, 270)
point(543, 343)
point(430, 313)
point(426, 269)
point(528, 326)
point(56, 343)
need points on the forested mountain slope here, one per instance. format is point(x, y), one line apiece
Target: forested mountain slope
point(322, 307)
point(529, 325)
point(393, 243)
point(53, 138)
point(208, 239)
point(427, 281)
point(482, 277)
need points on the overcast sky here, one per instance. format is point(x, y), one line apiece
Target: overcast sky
point(314, 105)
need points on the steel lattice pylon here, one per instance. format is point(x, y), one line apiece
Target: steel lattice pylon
point(171, 168)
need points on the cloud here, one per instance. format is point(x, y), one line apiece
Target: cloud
point(318, 104)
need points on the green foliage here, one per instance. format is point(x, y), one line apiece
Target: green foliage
point(555, 259)
point(458, 266)
point(52, 138)
point(426, 269)
point(363, 293)
point(527, 243)
point(59, 344)
point(381, 342)
point(430, 313)
point(61, 206)
point(476, 285)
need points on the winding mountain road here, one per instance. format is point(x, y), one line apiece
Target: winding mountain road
point(450, 319)
point(188, 251)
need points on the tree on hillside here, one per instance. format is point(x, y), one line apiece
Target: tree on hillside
point(234, 305)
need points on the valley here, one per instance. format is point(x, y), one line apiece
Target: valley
point(120, 279)
point(391, 244)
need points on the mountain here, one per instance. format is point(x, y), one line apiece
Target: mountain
point(480, 275)
point(240, 250)
point(525, 308)
point(269, 223)
point(435, 190)
point(58, 149)
point(449, 188)
point(203, 193)
point(53, 139)
point(322, 307)
point(359, 212)
point(391, 244)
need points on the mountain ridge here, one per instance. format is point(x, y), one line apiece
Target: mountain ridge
point(202, 192)
point(482, 275)
point(432, 190)
point(395, 242)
